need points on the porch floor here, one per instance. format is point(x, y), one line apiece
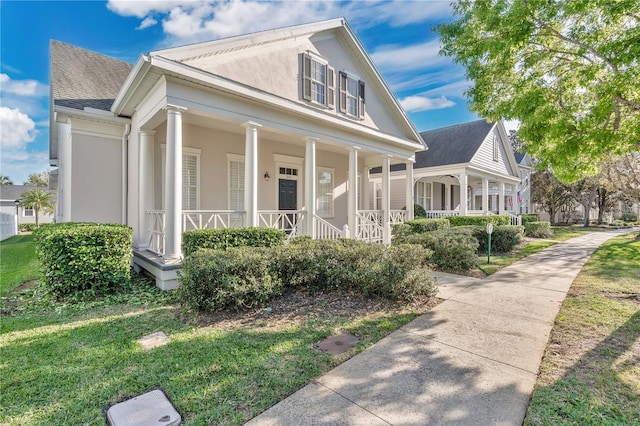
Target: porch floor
point(166, 273)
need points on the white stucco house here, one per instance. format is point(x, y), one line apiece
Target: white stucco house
point(468, 169)
point(277, 128)
point(525, 170)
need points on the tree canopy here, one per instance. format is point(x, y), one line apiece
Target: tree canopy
point(5, 180)
point(568, 70)
point(38, 179)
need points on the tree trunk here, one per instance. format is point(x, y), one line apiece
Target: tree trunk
point(36, 212)
point(552, 214)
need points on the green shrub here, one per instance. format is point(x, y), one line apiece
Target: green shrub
point(479, 220)
point(538, 230)
point(527, 218)
point(236, 278)
point(630, 217)
point(418, 211)
point(503, 239)
point(419, 226)
point(248, 277)
point(26, 227)
point(221, 239)
point(453, 249)
point(87, 258)
point(618, 222)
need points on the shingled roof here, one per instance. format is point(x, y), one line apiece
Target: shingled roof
point(81, 78)
point(519, 156)
point(448, 145)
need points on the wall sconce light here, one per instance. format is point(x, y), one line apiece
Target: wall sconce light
point(266, 176)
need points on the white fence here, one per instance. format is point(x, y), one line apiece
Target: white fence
point(8, 227)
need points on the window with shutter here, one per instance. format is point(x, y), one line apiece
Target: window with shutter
point(318, 81)
point(190, 177)
point(351, 95)
point(236, 182)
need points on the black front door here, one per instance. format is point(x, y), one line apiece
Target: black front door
point(288, 194)
point(288, 200)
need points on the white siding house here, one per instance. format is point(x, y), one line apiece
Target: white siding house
point(277, 129)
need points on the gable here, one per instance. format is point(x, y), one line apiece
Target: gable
point(274, 65)
point(492, 154)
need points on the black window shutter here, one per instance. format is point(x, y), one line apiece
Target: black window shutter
point(361, 98)
point(343, 92)
point(306, 76)
point(331, 87)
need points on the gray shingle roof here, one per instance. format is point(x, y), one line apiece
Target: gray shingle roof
point(14, 192)
point(448, 145)
point(519, 156)
point(81, 78)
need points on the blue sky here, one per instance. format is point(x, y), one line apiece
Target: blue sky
point(398, 35)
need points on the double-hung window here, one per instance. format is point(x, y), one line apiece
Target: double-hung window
point(318, 81)
point(423, 194)
point(28, 212)
point(351, 90)
point(324, 192)
point(235, 167)
point(190, 177)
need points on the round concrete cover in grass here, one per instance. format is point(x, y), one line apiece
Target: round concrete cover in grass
point(149, 409)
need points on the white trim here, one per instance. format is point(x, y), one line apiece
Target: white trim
point(282, 158)
point(288, 162)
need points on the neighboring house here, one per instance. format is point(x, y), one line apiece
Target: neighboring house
point(277, 129)
point(475, 156)
point(525, 170)
point(9, 194)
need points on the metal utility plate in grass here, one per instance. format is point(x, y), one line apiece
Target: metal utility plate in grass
point(338, 344)
point(151, 408)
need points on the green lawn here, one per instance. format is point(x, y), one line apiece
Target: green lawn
point(590, 374)
point(499, 261)
point(563, 233)
point(65, 364)
point(18, 263)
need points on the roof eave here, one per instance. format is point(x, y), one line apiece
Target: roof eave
point(137, 74)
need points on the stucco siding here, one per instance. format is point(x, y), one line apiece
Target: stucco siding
point(96, 185)
point(276, 68)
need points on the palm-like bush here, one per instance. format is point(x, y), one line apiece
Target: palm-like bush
point(38, 200)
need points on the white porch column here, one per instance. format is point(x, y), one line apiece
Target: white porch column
point(409, 201)
point(173, 185)
point(515, 198)
point(365, 188)
point(352, 200)
point(251, 172)
point(386, 200)
point(501, 198)
point(145, 185)
point(485, 195)
point(310, 185)
point(463, 193)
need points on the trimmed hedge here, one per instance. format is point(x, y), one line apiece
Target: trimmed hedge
point(26, 227)
point(221, 239)
point(248, 277)
point(418, 226)
point(479, 220)
point(630, 217)
point(527, 218)
point(453, 249)
point(538, 229)
point(503, 239)
point(236, 278)
point(88, 258)
point(418, 211)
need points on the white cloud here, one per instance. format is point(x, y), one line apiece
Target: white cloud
point(423, 103)
point(395, 58)
point(454, 89)
point(16, 128)
point(18, 165)
point(146, 23)
point(31, 88)
point(398, 13)
point(141, 9)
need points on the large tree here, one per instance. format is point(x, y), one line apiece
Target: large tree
point(39, 201)
point(38, 179)
point(549, 193)
point(568, 70)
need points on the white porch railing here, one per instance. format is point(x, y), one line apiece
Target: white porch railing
point(397, 216)
point(290, 221)
point(439, 214)
point(369, 226)
point(203, 219)
point(155, 220)
point(325, 231)
point(515, 220)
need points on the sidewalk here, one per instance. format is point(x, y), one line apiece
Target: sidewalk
point(472, 360)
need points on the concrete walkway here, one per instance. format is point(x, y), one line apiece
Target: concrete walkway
point(472, 360)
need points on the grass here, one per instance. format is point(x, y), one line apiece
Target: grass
point(18, 263)
point(563, 233)
point(590, 374)
point(67, 363)
point(499, 261)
